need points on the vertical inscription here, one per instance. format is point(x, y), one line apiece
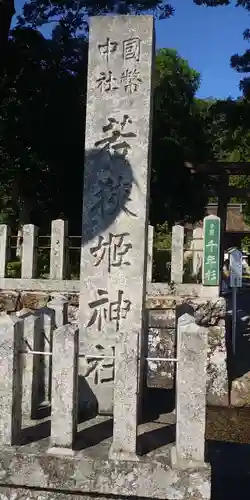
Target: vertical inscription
point(211, 251)
point(129, 79)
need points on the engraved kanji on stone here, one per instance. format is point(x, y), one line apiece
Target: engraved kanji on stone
point(107, 48)
point(114, 249)
point(131, 80)
point(103, 370)
point(106, 311)
point(116, 135)
point(131, 48)
point(107, 81)
point(112, 195)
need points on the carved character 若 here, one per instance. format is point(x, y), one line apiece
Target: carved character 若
point(116, 139)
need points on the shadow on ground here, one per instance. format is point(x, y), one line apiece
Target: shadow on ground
point(230, 465)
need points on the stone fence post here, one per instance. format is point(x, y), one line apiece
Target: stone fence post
point(191, 378)
point(64, 386)
point(59, 250)
point(4, 248)
point(29, 251)
point(11, 342)
point(177, 257)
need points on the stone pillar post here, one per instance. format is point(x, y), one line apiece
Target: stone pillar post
point(177, 257)
point(191, 378)
point(64, 386)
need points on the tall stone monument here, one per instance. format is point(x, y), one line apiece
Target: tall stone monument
point(116, 194)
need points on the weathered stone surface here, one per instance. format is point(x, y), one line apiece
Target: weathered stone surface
point(116, 180)
point(11, 341)
point(86, 476)
point(191, 380)
point(29, 247)
point(124, 446)
point(34, 300)
point(217, 380)
point(240, 392)
point(64, 386)
point(59, 250)
point(59, 305)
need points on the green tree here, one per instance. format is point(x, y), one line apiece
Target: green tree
point(7, 11)
point(70, 17)
point(42, 119)
point(179, 139)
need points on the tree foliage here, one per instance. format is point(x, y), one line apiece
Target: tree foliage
point(7, 11)
point(42, 127)
point(70, 17)
point(42, 117)
point(178, 138)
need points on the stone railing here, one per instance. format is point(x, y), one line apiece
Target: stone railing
point(58, 275)
point(39, 369)
point(57, 278)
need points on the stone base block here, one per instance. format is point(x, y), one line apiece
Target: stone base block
point(44, 476)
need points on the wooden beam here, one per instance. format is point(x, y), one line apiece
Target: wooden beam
point(231, 192)
point(217, 168)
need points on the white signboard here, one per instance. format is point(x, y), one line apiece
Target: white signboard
point(235, 266)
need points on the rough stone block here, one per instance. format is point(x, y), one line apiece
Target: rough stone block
point(34, 300)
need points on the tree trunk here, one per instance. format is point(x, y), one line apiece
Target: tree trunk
point(7, 11)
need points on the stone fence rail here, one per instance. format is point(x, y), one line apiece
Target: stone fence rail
point(57, 276)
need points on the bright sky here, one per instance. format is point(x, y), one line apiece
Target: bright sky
point(206, 37)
